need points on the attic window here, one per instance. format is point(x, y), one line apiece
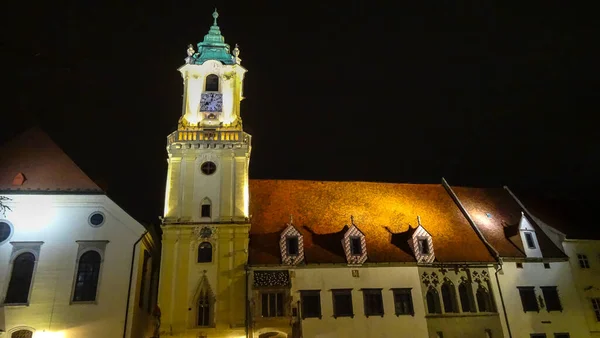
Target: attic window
point(423, 246)
point(355, 246)
point(19, 179)
point(292, 246)
point(529, 240)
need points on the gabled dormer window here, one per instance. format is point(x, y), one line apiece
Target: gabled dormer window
point(529, 240)
point(291, 245)
point(422, 244)
point(212, 83)
point(355, 245)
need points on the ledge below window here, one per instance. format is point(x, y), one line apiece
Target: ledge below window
point(470, 314)
point(15, 305)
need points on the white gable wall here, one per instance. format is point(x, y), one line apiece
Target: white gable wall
point(59, 221)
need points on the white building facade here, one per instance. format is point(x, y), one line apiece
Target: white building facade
point(536, 281)
point(583, 250)
point(72, 262)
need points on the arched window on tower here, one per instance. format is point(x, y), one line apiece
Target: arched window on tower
point(204, 252)
point(212, 83)
point(433, 301)
point(449, 297)
point(88, 273)
point(206, 208)
point(20, 279)
point(465, 294)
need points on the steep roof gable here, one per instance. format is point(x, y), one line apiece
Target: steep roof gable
point(321, 209)
point(498, 217)
point(32, 163)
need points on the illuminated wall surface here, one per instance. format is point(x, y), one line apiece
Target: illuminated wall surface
point(59, 231)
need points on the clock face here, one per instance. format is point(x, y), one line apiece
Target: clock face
point(211, 102)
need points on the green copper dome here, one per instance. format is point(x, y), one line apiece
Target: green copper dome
point(213, 47)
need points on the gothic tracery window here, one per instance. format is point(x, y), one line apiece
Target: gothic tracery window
point(449, 297)
point(204, 309)
point(465, 294)
point(484, 300)
point(433, 301)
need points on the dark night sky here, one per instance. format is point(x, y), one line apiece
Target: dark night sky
point(484, 94)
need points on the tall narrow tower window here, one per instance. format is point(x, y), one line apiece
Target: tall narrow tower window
point(204, 252)
point(205, 212)
point(212, 83)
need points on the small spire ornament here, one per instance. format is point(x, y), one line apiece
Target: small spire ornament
point(215, 15)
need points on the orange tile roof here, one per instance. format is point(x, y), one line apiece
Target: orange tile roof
point(382, 211)
point(505, 215)
point(45, 167)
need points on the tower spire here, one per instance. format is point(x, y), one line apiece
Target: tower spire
point(215, 15)
point(213, 47)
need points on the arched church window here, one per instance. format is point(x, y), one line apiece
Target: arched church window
point(212, 83)
point(466, 297)
point(88, 273)
point(204, 309)
point(22, 334)
point(433, 301)
point(204, 252)
point(449, 297)
point(20, 279)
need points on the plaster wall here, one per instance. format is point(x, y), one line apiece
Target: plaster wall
point(587, 281)
point(341, 277)
point(182, 276)
point(226, 189)
point(571, 320)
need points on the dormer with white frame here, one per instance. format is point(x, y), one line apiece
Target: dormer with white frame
point(421, 243)
point(291, 244)
point(354, 244)
point(531, 247)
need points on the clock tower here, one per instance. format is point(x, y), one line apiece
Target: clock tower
point(205, 223)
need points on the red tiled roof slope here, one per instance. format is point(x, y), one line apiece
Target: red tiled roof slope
point(321, 211)
point(45, 166)
point(504, 211)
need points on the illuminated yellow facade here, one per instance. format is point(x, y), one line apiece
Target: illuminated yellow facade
point(205, 224)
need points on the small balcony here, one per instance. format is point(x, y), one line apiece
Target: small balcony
point(209, 136)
